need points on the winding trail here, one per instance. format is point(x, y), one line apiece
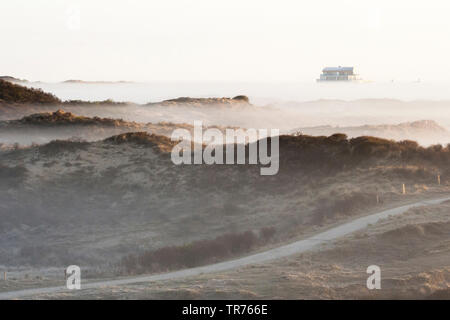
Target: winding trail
point(272, 254)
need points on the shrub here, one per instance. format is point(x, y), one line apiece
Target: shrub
point(242, 98)
point(161, 143)
point(329, 208)
point(109, 102)
point(267, 233)
point(58, 146)
point(12, 176)
point(14, 93)
point(196, 253)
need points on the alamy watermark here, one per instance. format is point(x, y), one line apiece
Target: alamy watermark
point(374, 280)
point(73, 277)
point(209, 147)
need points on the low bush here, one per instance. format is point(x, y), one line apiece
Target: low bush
point(196, 253)
point(14, 93)
point(58, 146)
point(331, 208)
point(12, 176)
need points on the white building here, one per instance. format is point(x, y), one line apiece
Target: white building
point(338, 74)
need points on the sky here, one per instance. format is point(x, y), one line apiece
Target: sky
point(231, 41)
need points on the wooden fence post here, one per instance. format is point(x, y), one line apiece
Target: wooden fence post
point(404, 189)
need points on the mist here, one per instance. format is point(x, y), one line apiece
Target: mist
point(288, 107)
point(260, 93)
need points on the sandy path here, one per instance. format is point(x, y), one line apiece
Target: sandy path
point(276, 253)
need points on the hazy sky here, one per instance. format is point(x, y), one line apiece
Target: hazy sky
point(227, 40)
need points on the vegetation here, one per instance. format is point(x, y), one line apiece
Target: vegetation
point(109, 102)
point(14, 93)
point(12, 176)
point(59, 146)
point(242, 98)
point(339, 152)
point(60, 118)
point(162, 143)
point(330, 208)
point(196, 253)
point(198, 102)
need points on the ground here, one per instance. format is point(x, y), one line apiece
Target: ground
point(411, 249)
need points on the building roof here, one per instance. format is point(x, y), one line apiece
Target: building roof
point(336, 69)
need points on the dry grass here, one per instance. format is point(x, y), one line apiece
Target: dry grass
point(124, 193)
point(413, 259)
